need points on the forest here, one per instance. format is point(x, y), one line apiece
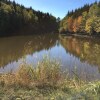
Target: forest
point(84, 20)
point(14, 17)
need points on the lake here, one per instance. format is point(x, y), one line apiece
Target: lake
point(81, 55)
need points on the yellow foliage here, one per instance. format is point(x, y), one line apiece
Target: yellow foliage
point(89, 26)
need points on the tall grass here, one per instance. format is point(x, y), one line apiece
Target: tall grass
point(46, 72)
point(48, 78)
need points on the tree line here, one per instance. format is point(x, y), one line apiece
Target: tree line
point(85, 20)
point(14, 17)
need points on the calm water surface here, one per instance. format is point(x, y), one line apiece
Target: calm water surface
point(73, 53)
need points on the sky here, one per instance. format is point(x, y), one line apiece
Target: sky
point(58, 8)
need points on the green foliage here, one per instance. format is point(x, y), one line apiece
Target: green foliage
point(97, 24)
point(94, 10)
point(92, 23)
point(61, 30)
point(15, 17)
point(83, 23)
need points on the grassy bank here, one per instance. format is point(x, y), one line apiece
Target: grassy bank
point(46, 81)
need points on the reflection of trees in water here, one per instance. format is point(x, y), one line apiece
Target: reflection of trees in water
point(14, 48)
point(86, 49)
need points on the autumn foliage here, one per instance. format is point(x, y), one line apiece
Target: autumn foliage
point(83, 20)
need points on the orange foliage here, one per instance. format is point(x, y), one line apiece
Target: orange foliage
point(74, 24)
point(70, 24)
point(79, 20)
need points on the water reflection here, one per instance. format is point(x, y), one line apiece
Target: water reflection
point(14, 48)
point(70, 51)
point(84, 53)
point(86, 49)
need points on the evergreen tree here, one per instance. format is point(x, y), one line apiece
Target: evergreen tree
point(15, 17)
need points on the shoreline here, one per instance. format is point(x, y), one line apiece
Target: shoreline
point(80, 35)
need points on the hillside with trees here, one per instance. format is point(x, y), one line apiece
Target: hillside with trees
point(14, 17)
point(85, 20)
